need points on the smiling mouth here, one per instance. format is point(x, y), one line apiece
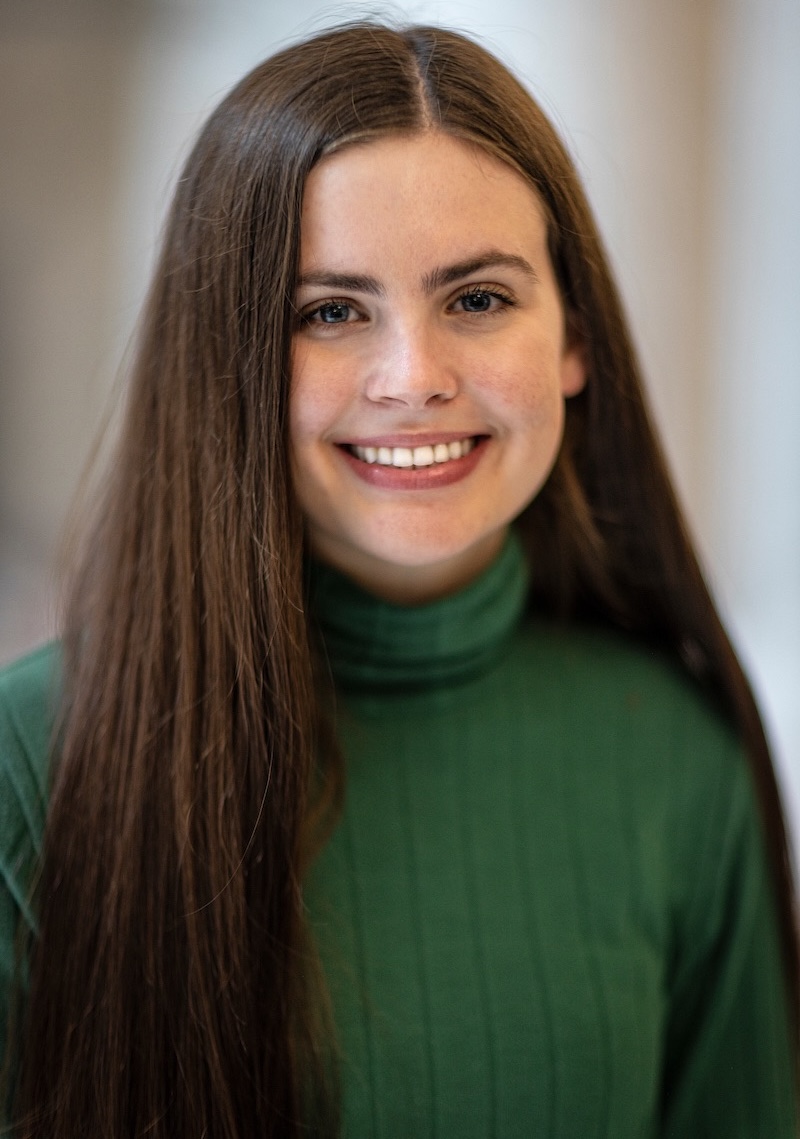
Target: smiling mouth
point(413, 458)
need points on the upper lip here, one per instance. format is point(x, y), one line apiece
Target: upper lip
point(409, 439)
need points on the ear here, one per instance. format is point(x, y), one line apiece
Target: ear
point(573, 370)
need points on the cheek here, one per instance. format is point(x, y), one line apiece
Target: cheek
point(303, 414)
point(528, 398)
point(321, 392)
point(298, 397)
point(311, 406)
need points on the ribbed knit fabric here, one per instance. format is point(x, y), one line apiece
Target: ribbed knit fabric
point(545, 912)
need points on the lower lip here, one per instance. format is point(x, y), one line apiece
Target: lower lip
point(415, 478)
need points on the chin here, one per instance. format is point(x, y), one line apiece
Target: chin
point(408, 553)
point(435, 554)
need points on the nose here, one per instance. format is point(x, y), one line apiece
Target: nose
point(413, 369)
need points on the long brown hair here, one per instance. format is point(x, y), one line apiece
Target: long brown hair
point(173, 990)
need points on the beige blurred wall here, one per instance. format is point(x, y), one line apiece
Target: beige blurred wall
point(63, 71)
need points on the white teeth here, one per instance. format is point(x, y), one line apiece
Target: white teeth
point(414, 456)
point(402, 457)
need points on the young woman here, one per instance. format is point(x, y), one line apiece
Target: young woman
point(387, 501)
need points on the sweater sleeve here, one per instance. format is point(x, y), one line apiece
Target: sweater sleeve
point(25, 724)
point(729, 1063)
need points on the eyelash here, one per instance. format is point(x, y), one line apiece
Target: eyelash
point(307, 317)
point(495, 291)
point(507, 301)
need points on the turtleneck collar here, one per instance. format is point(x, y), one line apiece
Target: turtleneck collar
point(373, 644)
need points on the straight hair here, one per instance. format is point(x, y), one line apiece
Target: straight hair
point(174, 987)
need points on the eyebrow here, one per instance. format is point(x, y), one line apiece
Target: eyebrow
point(436, 279)
point(489, 259)
point(347, 282)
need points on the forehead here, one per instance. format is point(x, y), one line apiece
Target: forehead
point(424, 192)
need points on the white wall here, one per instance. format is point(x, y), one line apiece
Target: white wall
point(753, 424)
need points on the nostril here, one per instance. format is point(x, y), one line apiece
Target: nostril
point(412, 377)
point(411, 395)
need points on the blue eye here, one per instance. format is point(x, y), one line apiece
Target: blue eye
point(334, 312)
point(476, 302)
point(484, 300)
point(323, 317)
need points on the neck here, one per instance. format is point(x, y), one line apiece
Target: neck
point(411, 584)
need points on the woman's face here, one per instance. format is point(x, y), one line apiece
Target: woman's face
point(429, 361)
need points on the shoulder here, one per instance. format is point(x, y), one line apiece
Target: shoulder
point(629, 694)
point(639, 733)
point(28, 703)
point(31, 683)
point(29, 693)
point(656, 741)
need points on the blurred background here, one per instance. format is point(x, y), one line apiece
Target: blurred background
point(685, 121)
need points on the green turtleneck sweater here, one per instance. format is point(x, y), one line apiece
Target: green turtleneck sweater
point(545, 911)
